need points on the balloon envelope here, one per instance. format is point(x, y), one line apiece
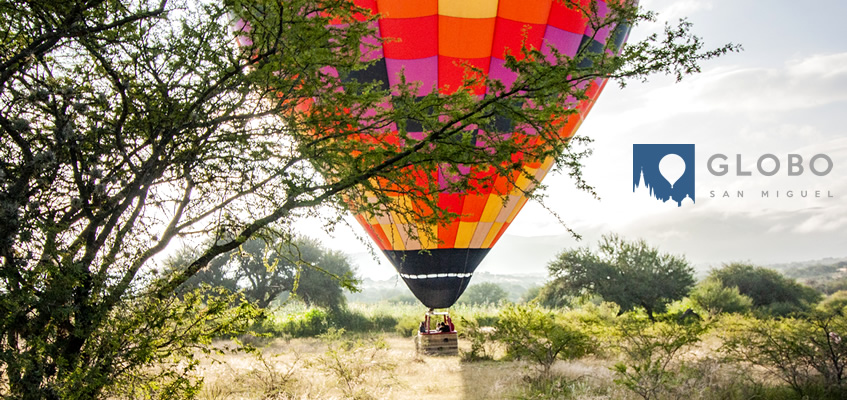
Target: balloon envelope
point(430, 40)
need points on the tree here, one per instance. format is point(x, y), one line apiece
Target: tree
point(484, 293)
point(631, 274)
point(264, 271)
point(124, 125)
point(530, 294)
point(770, 291)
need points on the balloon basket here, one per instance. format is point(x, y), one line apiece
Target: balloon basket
point(437, 336)
point(437, 344)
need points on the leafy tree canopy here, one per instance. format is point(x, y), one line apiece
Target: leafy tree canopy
point(769, 290)
point(631, 274)
point(263, 271)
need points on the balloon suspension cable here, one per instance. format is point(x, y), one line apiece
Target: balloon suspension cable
point(433, 314)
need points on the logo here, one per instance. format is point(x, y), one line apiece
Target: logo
point(664, 171)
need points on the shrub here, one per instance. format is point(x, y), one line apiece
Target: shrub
point(486, 320)
point(540, 336)
point(715, 298)
point(358, 365)
point(808, 354)
point(481, 339)
point(653, 366)
point(407, 326)
point(834, 303)
point(313, 322)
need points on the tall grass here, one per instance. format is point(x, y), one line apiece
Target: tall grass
point(298, 320)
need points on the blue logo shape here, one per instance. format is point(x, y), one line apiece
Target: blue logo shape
point(664, 171)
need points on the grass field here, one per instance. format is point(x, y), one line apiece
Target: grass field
point(376, 359)
point(295, 369)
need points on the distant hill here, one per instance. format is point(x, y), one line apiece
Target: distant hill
point(393, 289)
point(827, 274)
point(812, 267)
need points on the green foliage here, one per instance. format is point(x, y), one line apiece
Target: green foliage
point(123, 126)
point(353, 321)
point(321, 281)
point(555, 294)
point(311, 323)
point(484, 293)
point(486, 319)
point(540, 336)
point(715, 298)
point(482, 339)
point(772, 293)
point(170, 336)
point(834, 303)
point(808, 353)
point(630, 274)
point(530, 294)
point(653, 367)
point(404, 299)
point(264, 269)
point(295, 321)
point(407, 326)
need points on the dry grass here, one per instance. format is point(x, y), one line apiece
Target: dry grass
point(296, 369)
point(290, 370)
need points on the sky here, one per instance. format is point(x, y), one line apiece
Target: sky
point(786, 93)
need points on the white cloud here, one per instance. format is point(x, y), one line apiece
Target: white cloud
point(832, 221)
point(669, 10)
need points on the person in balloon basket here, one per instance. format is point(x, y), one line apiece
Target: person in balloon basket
point(443, 328)
point(422, 328)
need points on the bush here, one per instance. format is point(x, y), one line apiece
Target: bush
point(715, 298)
point(540, 336)
point(407, 326)
point(357, 365)
point(486, 320)
point(310, 322)
point(653, 367)
point(313, 322)
point(808, 354)
point(834, 303)
point(481, 338)
point(350, 321)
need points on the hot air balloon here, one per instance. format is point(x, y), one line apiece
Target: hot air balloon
point(432, 43)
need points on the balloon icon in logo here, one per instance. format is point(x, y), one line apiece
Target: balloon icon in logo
point(672, 167)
